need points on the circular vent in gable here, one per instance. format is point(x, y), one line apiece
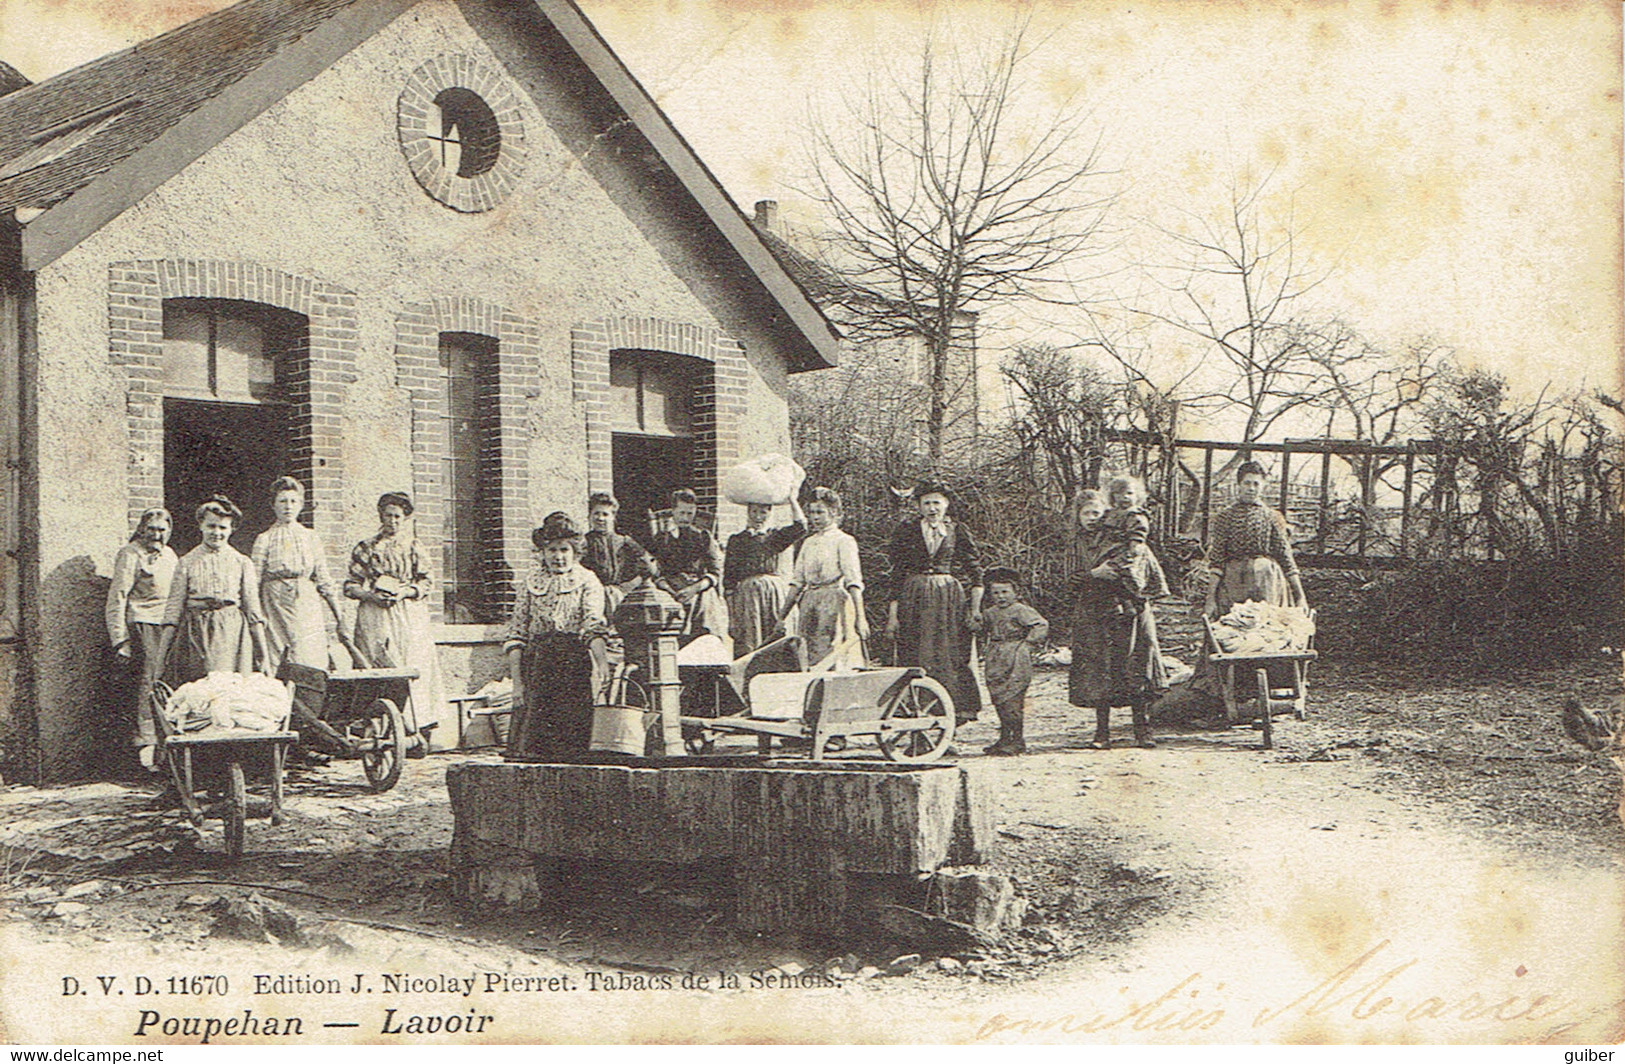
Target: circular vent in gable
point(461, 133)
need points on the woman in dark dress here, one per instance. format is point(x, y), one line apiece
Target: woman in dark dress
point(689, 563)
point(936, 581)
point(757, 594)
point(555, 645)
point(618, 561)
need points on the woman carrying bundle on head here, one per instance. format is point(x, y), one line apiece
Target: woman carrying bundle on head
point(390, 578)
point(142, 572)
point(214, 605)
point(827, 581)
point(937, 603)
point(758, 597)
point(294, 582)
point(555, 646)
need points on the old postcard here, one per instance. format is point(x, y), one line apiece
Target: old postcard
point(537, 521)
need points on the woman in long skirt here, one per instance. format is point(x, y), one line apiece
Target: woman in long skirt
point(937, 581)
point(555, 645)
point(758, 597)
point(214, 605)
point(294, 582)
point(142, 572)
point(390, 578)
point(827, 582)
point(1249, 548)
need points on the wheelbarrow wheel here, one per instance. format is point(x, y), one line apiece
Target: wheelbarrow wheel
point(235, 811)
point(923, 699)
point(383, 744)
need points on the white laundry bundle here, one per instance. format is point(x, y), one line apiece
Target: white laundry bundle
point(230, 700)
point(769, 479)
point(1263, 628)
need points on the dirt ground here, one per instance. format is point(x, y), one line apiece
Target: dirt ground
point(1425, 858)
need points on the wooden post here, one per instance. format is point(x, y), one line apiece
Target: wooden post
point(1368, 463)
point(1286, 478)
point(1405, 502)
point(1207, 492)
point(1325, 493)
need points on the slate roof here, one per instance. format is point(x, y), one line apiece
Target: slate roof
point(58, 135)
point(11, 79)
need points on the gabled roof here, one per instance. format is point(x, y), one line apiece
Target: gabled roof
point(60, 134)
point(85, 145)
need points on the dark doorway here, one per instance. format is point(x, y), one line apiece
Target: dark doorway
point(232, 449)
point(647, 469)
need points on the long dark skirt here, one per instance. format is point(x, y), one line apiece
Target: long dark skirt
point(212, 641)
point(555, 723)
point(1116, 659)
point(754, 609)
point(931, 635)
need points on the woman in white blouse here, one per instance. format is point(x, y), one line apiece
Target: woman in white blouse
point(294, 580)
point(142, 572)
point(555, 645)
point(827, 581)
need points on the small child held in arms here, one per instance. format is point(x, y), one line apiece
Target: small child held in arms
point(1010, 631)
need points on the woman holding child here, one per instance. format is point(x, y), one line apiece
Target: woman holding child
point(1116, 659)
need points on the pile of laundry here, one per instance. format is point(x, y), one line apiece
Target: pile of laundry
point(230, 700)
point(1263, 628)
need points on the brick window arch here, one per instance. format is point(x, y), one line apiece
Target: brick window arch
point(315, 382)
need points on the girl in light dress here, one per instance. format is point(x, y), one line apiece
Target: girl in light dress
point(214, 605)
point(827, 581)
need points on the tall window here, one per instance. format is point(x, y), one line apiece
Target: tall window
point(469, 478)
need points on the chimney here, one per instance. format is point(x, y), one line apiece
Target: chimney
point(767, 216)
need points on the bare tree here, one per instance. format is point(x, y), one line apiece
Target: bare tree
point(943, 201)
point(1238, 289)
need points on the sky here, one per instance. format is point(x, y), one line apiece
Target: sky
point(1452, 169)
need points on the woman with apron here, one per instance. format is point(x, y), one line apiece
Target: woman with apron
point(936, 575)
point(827, 581)
point(214, 605)
point(389, 577)
point(294, 582)
point(758, 597)
point(555, 646)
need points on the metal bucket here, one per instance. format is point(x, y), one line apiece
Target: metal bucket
point(620, 730)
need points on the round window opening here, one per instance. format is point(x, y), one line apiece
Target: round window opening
point(470, 139)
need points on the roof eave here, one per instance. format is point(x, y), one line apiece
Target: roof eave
point(802, 313)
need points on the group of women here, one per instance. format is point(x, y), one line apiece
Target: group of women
point(216, 609)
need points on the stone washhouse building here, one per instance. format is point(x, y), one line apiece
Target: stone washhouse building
point(449, 247)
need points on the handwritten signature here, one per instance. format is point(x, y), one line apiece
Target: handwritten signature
point(1358, 991)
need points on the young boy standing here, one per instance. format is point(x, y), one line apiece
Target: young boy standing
point(1010, 631)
